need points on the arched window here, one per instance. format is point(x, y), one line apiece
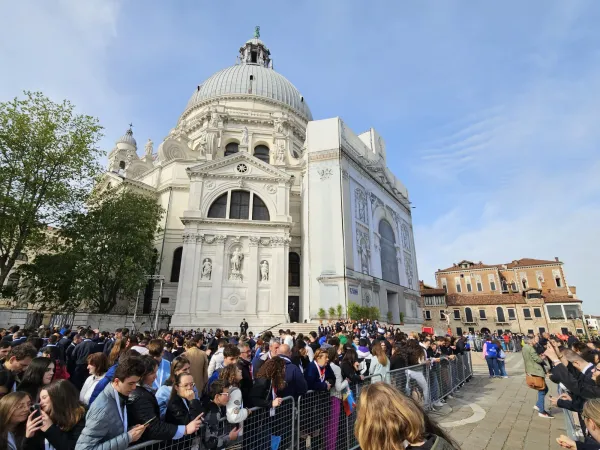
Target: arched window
point(218, 209)
point(231, 148)
point(239, 206)
point(176, 267)
point(389, 263)
point(468, 315)
point(524, 281)
point(262, 153)
point(294, 269)
point(500, 314)
point(259, 209)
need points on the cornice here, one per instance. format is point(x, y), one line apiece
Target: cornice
point(236, 222)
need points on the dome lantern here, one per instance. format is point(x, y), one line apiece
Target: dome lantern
point(254, 51)
point(127, 138)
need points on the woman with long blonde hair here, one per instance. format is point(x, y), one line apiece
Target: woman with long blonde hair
point(14, 411)
point(591, 417)
point(388, 420)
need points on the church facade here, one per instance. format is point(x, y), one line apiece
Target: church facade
point(270, 215)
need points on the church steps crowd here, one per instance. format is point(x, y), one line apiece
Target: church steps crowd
point(97, 390)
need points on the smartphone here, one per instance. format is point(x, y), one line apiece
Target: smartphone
point(149, 421)
point(35, 408)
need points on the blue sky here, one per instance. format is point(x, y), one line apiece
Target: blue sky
point(489, 110)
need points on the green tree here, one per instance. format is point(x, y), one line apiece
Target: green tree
point(110, 248)
point(48, 164)
point(321, 313)
point(331, 311)
point(339, 310)
point(389, 316)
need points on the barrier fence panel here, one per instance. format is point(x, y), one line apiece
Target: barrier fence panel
point(318, 420)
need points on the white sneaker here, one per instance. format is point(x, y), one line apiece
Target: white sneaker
point(438, 404)
point(536, 408)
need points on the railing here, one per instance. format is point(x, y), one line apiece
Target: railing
point(323, 420)
point(572, 423)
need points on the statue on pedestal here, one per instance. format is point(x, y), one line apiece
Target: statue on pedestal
point(264, 271)
point(236, 264)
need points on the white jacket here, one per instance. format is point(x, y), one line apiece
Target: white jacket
point(88, 388)
point(378, 369)
point(216, 362)
point(236, 413)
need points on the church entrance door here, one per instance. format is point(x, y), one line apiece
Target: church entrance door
point(294, 308)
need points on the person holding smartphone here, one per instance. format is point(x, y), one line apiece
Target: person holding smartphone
point(142, 408)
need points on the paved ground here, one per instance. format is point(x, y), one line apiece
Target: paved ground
point(497, 414)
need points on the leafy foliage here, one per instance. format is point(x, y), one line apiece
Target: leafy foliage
point(107, 253)
point(48, 164)
point(339, 310)
point(357, 312)
point(331, 312)
point(321, 313)
point(389, 316)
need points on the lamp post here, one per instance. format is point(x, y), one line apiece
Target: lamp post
point(162, 281)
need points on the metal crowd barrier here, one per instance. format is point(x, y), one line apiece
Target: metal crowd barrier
point(572, 423)
point(318, 420)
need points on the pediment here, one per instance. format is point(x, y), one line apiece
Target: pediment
point(236, 166)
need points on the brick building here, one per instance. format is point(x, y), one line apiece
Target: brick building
point(526, 295)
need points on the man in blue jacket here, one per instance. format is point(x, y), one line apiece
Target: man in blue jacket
point(295, 384)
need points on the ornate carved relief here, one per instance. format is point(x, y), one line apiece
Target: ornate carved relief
point(189, 238)
point(364, 250)
point(244, 140)
point(361, 205)
point(218, 239)
point(210, 185)
point(206, 273)
point(264, 271)
point(325, 174)
point(254, 241)
point(280, 151)
point(408, 267)
point(406, 238)
point(375, 201)
point(270, 189)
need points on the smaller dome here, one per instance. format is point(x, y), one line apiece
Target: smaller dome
point(127, 138)
point(256, 41)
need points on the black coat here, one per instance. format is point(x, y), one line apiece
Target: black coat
point(177, 412)
point(349, 372)
point(246, 383)
point(579, 385)
point(260, 395)
point(143, 406)
point(60, 440)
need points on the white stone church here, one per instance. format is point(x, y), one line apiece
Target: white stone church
point(270, 215)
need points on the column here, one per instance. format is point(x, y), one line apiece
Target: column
point(278, 289)
point(196, 273)
point(184, 288)
point(219, 274)
point(252, 274)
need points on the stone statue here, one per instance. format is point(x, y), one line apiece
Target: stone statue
point(245, 136)
point(149, 147)
point(214, 119)
point(261, 59)
point(256, 32)
point(280, 156)
point(206, 269)
point(278, 125)
point(236, 263)
point(264, 271)
point(364, 261)
point(202, 142)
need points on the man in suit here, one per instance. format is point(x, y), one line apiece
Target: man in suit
point(243, 326)
point(79, 355)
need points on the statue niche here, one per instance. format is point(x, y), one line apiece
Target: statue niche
point(206, 269)
point(235, 260)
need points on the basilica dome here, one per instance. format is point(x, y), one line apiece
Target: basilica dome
point(252, 76)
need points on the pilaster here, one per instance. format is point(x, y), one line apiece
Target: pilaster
point(252, 296)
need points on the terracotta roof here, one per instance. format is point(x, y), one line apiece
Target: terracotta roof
point(491, 299)
point(530, 262)
point(516, 263)
point(556, 298)
point(432, 291)
point(504, 299)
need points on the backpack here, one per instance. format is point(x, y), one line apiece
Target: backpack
point(492, 350)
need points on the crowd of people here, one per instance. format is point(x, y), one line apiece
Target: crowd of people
point(575, 367)
point(89, 389)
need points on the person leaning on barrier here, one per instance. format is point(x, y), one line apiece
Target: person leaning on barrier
point(213, 412)
point(269, 383)
point(388, 420)
point(576, 382)
point(350, 367)
point(295, 384)
point(591, 416)
point(231, 376)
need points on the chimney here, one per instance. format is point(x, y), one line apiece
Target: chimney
point(556, 258)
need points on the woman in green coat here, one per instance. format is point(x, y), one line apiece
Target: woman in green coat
point(533, 366)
